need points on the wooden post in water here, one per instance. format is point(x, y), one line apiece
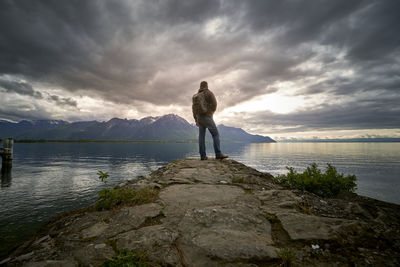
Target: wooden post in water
point(7, 153)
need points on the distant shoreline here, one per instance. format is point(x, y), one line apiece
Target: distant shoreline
point(97, 141)
point(357, 140)
point(389, 140)
point(118, 141)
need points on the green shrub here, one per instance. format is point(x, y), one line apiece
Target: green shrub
point(111, 198)
point(127, 258)
point(327, 184)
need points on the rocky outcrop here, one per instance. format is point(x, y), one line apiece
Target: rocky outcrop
point(222, 213)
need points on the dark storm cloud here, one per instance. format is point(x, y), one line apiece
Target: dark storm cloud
point(298, 21)
point(390, 84)
point(377, 36)
point(63, 101)
point(21, 88)
point(49, 40)
point(159, 51)
point(94, 45)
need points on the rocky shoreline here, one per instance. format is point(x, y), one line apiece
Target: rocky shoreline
point(221, 213)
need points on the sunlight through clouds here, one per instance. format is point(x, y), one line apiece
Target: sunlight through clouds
point(275, 103)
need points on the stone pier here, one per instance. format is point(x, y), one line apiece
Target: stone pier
point(221, 213)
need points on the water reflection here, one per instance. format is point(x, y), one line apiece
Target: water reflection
point(6, 176)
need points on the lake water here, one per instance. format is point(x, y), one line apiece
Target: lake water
point(50, 178)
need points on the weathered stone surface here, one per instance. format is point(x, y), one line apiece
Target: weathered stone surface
point(199, 195)
point(89, 254)
point(309, 227)
point(233, 245)
point(275, 201)
point(157, 241)
point(234, 233)
point(222, 213)
point(95, 230)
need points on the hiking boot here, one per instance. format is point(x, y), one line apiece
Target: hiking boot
point(221, 156)
point(205, 158)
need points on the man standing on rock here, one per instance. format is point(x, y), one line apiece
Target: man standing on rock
point(204, 105)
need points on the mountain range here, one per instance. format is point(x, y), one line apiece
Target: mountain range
point(163, 128)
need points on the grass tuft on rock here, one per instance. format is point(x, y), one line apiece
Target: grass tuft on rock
point(287, 256)
point(313, 180)
point(272, 218)
point(112, 198)
point(127, 258)
point(239, 180)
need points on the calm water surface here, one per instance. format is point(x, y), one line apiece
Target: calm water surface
point(50, 178)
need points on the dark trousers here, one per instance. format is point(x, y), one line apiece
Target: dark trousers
point(206, 122)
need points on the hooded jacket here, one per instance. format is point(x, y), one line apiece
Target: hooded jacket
point(210, 103)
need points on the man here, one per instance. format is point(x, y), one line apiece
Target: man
point(204, 105)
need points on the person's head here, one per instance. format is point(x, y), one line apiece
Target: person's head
point(203, 85)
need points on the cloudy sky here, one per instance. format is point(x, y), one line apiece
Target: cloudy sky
point(280, 68)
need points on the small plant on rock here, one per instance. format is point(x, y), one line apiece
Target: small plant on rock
point(327, 184)
point(271, 218)
point(103, 176)
point(286, 256)
point(127, 258)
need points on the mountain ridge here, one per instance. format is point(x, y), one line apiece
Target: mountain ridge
point(168, 127)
